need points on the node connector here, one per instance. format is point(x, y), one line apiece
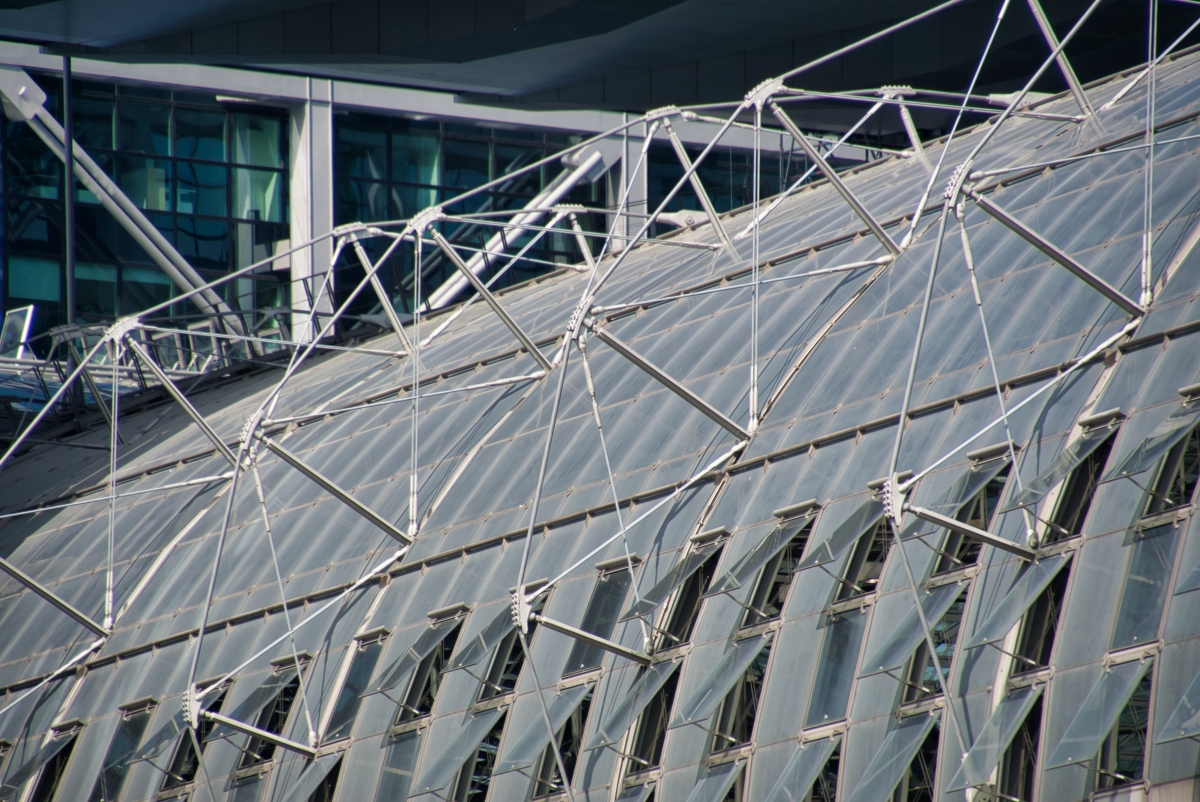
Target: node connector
point(425, 218)
point(661, 113)
point(760, 94)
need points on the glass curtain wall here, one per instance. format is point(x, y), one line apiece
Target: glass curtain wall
point(390, 168)
point(212, 177)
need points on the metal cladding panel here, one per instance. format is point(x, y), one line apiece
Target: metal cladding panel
point(834, 354)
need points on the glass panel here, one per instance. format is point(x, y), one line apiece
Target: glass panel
point(734, 721)
point(1023, 594)
point(116, 761)
point(19, 775)
point(613, 728)
point(200, 134)
point(1190, 582)
point(96, 290)
point(1185, 720)
point(599, 619)
point(482, 644)
point(34, 279)
point(312, 776)
point(202, 189)
point(713, 787)
point(142, 288)
point(204, 243)
point(533, 740)
point(93, 122)
point(1067, 460)
point(1145, 588)
point(147, 182)
point(163, 737)
point(415, 159)
point(862, 571)
point(749, 565)
point(350, 697)
point(958, 550)
point(802, 770)
point(258, 195)
point(1156, 444)
point(926, 674)
point(893, 758)
point(468, 164)
point(847, 532)
point(652, 598)
point(1122, 757)
point(258, 140)
point(145, 128)
point(443, 766)
point(710, 693)
point(995, 737)
point(835, 674)
point(1178, 475)
point(638, 793)
point(969, 485)
point(1097, 714)
point(398, 767)
point(397, 674)
point(907, 635)
point(362, 152)
point(247, 712)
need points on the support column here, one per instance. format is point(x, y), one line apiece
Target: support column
point(311, 185)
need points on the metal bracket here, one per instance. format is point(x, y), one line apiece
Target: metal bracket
point(762, 94)
point(961, 528)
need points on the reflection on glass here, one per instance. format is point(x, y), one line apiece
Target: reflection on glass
point(145, 128)
point(362, 666)
point(1122, 758)
point(202, 189)
point(92, 119)
point(200, 134)
point(257, 141)
point(361, 150)
point(415, 158)
point(147, 182)
point(34, 279)
point(95, 290)
point(258, 195)
point(467, 164)
point(599, 619)
point(142, 288)
point(204, 243)
point(839, 656)
point(398, 766)
point(121, 749)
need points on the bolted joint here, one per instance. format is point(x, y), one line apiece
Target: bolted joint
point(954, 185)
point(759, 95)
point(191, 707)
point(425, 218)
point(520, 611)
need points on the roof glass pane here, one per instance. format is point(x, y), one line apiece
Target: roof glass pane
point(398, 672)
point(398, 766)
point(710, 693)
point(1145, 588)
point(752, 562)
point(997, 734)
point(713, 786)
point(1067, 460)
point(1023, 593)
point(801, 771)
point(613, 728)
point(488, 639)
point(302, 788)
point(1097, 714)
point(1157, 443)
point(450, 758)
point(652, 598)
point(533, 741)
point(847, 532)
point(906, 635)
point(892, 759)
point(835, 673)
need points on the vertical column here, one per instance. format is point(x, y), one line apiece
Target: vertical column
point(311, 184)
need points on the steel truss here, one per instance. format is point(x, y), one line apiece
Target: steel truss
point(133, 359)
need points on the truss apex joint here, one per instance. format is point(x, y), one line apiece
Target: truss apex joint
point(117, 331)
point(893, 91)
point(348, 230)
point(760, 94)
point(425, 218)
point(661, 113)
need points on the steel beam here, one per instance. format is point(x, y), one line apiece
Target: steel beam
point(341, 495)
point(52, 597)
point(580, 240)
point(961, 528)
point(87, 378)
point(1061, 58)
point(1045, 246)
point(594, 640)
point(835, 180)
point(670, 383)
point(381, 294)
point(694, 179)
point(263, 735)
point(487, 296)
point(179, 397)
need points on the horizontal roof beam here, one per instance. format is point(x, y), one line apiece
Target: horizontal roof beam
point(987, 538)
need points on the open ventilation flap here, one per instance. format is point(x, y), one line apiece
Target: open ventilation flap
point(650, 600)
point(312, 775)
point(713, 689)
point(1019, 598)
point(430, 639)
point(713, 787)
point(441, 769)
point(1184, 721)
point(259, 698)
point(529, 747)
point(638, 793)
point(19, 775)
point(893, 758)
point(1068, 459)
point(908, 634)
point(857, 524)
point(967, 487)
point(985, 754)
point(618, 722)
point(746, 569)
point(1157, 443)
point(485, 642)
point(798, 776)
point(1097, 714)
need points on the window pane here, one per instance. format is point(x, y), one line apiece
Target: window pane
point(116, 761)
point(350, 697)
point(30, 168)
point(526, 749)
point(362, 201)
point(744, 571)
point(398, 767)
point(397, 673)
point(439, 769)
point(204, 243)
point(599, 619)
point(96, 290)
point(258, 195)
point(1024, 592)
point(142, 288)
point(203, 189)
point(1145, 588)
point(997, 734)
point(258, 140)
point(1067, 460)
point(1097, 714)
point(908, 634)
point(19, 775)
point(1185, 719)
point(714, 785)
point(649, 600)
point(467, 164)
point(893, 758)
point(264, 694)
point(415, 158)
point(92, 119)
point(728, 671)
point(488, 638)
point(798, 776)
point(924, 672)
point(311, 777)
point(200, 134)
point(734, 724)
point(145, 128)
point(1157, 443)
point(865, 516)
point(147, 182)
point(839, 657)
point(362, 149)
point(34, 279)
point(613, 728)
